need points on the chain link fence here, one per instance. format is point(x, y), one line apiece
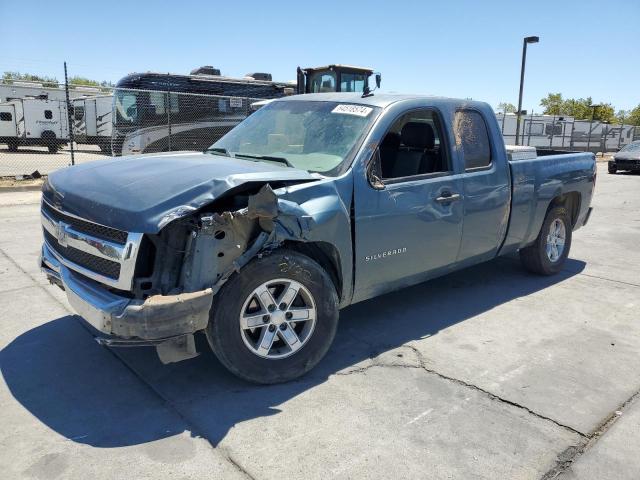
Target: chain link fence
point(565, 133)
point(148, 121)
point(39, 122)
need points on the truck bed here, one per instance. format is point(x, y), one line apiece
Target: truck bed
point(536, 182)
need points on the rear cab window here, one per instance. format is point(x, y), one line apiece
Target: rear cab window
point(472, 137)
point(48, 114)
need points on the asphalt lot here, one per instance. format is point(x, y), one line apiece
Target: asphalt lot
point(29, 159)
point(487, 373)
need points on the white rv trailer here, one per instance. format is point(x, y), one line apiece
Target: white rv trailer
point(33, 121)
point(92, 120)
point(566, 133)
point(21, 89)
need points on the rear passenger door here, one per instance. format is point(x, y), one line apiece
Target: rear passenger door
point(486, 186)
point(408, 224)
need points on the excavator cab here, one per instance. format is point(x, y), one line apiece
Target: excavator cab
point(336, 78)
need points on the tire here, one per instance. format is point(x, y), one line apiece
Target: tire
point(612, 168)
point(535, 257)
point(235, 347)
point(50, 141)
point(12, 146)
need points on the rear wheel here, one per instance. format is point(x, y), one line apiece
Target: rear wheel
point(50, 141)
point(549, 252)
point(275, 319)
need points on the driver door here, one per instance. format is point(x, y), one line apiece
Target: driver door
point(408, 228)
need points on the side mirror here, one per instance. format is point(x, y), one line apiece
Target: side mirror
point(374, 171)
point(378, 80)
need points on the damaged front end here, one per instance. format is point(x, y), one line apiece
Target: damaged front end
point(179, 270)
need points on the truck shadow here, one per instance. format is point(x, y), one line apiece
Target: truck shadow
point(81, 391)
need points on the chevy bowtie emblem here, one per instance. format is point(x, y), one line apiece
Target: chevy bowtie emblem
point(61, 233)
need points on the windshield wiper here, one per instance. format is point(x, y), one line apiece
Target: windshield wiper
point(266, 157)
point(220, 150)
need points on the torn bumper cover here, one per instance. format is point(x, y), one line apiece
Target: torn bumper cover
point(149, 321)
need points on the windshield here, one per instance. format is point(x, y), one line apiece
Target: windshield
point(632, 147)
point(313, 136)
point(126, 107)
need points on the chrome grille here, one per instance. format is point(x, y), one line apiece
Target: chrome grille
point(101, 253)
point(105, 267)
point(100, 231)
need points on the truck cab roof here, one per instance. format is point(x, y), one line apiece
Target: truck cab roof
point(382, 100)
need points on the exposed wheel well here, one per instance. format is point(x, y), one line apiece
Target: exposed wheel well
point(571, 201)
point(326, 255)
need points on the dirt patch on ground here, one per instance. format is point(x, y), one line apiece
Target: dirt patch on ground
point(26, 183)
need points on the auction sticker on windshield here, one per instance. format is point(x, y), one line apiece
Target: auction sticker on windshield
point(358, 110)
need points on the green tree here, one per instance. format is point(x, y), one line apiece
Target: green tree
point(10, 77)
point(633, 117)
point(87, 82)
point(552, 104)
point(579, 108)
point(505, 107)
point(83, 81)
point(605, 113)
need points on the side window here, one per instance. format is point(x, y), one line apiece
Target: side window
point(535, 128)
point(413, 146)
point(471, 135)
point(553, 128)
point(6, 116)
point(352, 82)
point(323, 82)
point(78, 113)
point(157, 102)
point(48, 114)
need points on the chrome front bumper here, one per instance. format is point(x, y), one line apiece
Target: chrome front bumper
point(156, 318)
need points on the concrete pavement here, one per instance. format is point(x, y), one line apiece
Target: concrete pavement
point(486, 373)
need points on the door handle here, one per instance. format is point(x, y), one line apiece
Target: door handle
point(448, 197)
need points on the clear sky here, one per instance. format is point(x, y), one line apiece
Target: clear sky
point(452, 48)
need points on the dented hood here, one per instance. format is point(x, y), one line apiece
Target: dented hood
point(143, 193)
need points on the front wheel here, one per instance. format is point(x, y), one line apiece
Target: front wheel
point(612, 168)
point(549, 252)
point(275, 319)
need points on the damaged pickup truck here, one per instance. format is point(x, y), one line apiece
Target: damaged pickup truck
point(311, 204)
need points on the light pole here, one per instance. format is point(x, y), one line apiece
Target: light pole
point(621, 128)
point(526, 41)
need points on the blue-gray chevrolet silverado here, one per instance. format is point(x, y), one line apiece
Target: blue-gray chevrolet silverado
point(311, 204)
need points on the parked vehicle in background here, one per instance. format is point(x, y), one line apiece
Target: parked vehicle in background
point(92, 121)
point(628, 158)
point(34, 121)
point(156, 112)
point(566, 133)
point(335, 78)
point(313, 203)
